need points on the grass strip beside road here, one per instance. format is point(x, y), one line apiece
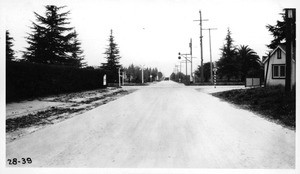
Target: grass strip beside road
point(272, 103)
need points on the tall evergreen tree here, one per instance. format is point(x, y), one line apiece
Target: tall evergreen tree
point(76, 52)
point(112, 58)
point(37, 46)
point(9, 44)
point(51, 40)
point(228, 65)
point(279, 32)
point(134, 74)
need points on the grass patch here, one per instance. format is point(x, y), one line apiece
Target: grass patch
point(271, 102)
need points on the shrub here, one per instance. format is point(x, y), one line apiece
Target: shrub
point(27, 80)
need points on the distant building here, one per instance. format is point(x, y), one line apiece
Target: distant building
point(275, 67)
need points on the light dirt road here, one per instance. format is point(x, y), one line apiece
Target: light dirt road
point(165, 125)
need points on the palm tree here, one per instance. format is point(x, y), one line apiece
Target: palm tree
point(249, 62)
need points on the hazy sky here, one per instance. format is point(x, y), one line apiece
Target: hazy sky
point(152, 32)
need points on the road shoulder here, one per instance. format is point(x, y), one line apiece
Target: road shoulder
point(26, 117)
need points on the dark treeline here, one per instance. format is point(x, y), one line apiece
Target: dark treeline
point(240, 62)
point(53, 61)
point(25, 80)
point(179, 77)
point(134, 74)
point(53, 42)
point(235, 64)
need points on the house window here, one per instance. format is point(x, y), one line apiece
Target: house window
point(278, 71)
point(282, 71)
point(279, 54)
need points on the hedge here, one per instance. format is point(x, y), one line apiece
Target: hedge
point(27, 80)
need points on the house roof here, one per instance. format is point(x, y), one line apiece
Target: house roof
point(280, 46)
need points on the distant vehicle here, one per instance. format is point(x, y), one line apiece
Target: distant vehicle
point(167, 78)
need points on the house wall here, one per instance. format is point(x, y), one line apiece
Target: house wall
point(273, 60)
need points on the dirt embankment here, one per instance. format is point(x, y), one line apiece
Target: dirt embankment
point(25, 117)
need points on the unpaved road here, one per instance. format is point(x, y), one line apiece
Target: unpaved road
point(163, 125)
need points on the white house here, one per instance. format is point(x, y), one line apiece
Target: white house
point(274, 67)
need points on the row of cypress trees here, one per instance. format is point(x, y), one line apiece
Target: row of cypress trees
point(243, 61)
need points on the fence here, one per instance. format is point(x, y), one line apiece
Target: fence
point(252, 82)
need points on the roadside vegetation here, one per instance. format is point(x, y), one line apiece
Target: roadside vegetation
point(272, 103)
point(235, 64)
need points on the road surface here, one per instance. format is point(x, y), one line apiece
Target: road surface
point(166, 125)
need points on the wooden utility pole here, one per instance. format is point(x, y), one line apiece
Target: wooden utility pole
point(119, 72)
point(191, 53)
point(142, 74)
point(211, 67)
point(201, 47)
point(290, 38)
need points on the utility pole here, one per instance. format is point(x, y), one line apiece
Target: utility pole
point(186, 61)
point(180, 74)
point(211, 67)
point(176, 69)
point(180, 65)
point(201, 47)
point(186, 75)
point(185, 65)
point(191, 53)
point(119, 77)
point(290, 39)
point(176, 73)
point(123, 80)
point(142, 74)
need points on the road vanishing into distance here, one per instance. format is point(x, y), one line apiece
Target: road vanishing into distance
point(165, 125)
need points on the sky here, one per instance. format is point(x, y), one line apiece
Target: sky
point(152, 32)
